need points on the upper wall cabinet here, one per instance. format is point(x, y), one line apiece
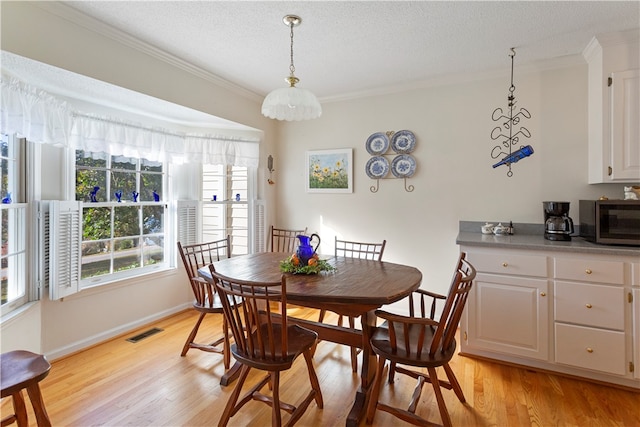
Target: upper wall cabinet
point(614, 107)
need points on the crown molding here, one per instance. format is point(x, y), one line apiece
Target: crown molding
point(460, 78)
point(72, 15)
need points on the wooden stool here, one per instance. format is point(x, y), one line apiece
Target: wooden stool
point(23, 369)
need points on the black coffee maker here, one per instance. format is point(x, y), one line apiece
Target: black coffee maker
point(557, 224)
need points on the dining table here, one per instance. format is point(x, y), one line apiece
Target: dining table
point(357, 287)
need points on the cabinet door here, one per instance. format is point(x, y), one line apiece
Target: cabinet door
point(625, 131)
point(636, 332)
point(510, 315)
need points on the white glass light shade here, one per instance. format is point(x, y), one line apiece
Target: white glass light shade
point(291, 103)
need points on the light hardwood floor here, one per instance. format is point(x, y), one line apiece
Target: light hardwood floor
point(119, 383)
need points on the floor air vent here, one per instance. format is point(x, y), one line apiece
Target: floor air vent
point(144, 335)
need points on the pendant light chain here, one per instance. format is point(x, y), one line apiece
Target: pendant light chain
point(292, 67)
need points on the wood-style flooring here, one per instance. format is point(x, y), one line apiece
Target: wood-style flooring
point(119, 383)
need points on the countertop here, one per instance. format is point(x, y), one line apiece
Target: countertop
point(531, 236)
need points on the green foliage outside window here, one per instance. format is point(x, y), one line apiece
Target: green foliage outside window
point(124, 235)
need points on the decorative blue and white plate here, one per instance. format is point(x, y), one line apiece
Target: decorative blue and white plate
point(377, 143)
point(403, 166)
point(403, 141)
point(377, 167)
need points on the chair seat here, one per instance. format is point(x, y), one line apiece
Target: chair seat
point(299, 340)
point(21, 368)
point(381, 345)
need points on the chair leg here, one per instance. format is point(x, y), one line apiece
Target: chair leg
point(455, 385)
point(192, 335)
point(20, 409)
point(444, 414)
point(230, 409)
point(37, 402)
point(315, 384)
point(392, 371)
point(321, 315)
point(276, 416)
point(375, 390)
point(226, 355)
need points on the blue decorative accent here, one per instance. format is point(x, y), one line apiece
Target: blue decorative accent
point(238, 197)
point(403, 141)
point(134, 196)
point(7, 199)
point(403, 166)
point(525, 151)
point(156, 196)
point(377, 167)
point(377, 143)
point(118, 195)
point(305, 251)
point(94, 194)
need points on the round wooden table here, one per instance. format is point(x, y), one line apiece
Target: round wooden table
point(357, 288)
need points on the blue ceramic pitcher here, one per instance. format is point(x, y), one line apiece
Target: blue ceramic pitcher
point(305, 250)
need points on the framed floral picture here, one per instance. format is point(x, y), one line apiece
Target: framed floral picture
point(330, 171)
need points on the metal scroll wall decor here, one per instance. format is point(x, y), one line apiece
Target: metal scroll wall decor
point(394, 146)
point(506, 134)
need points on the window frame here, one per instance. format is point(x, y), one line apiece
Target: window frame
point(19, 211)
point(227, 201)
point(167, 234)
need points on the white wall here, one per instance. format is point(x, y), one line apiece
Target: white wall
point(454, 180)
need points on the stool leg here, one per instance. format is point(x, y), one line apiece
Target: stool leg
point(20, 409)
point(38, 405)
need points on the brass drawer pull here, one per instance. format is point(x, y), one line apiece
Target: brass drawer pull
point(504, 264)
point(588, 271)
point(543, 294)
point(588, 305)
point(589, 350)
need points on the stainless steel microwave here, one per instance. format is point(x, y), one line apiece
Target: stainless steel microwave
point(610, 222)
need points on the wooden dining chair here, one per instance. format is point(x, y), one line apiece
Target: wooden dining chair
point(207, 301)
point(21, 370)
point(360, 250)
point(264, 340)
point(425, 343)
point(283, 240)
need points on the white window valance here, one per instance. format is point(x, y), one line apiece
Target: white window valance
point(41, 117)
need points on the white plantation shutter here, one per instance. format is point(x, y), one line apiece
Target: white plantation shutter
point(259, 237)
point(188, 222)
point(65, 247)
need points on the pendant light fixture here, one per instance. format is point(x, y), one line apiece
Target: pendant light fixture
point(291, 103)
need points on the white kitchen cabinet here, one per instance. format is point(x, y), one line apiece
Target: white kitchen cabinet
point(572, 313)
point(636, 331)
point(625, 126)
point(635, 294)
point(589, 314)
point(614, 107)
point(508, 306)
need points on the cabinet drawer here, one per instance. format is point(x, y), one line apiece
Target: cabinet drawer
point(590, 348)
point(590, 305)
point(508, 263)
point(590, 270)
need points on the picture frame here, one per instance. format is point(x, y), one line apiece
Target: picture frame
point(329, 171)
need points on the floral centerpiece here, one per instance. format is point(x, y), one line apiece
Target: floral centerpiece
point(314, 266)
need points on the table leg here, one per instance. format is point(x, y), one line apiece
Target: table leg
point(358, 410)
point(231, 375)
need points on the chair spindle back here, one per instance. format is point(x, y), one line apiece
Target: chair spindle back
point(253, 323)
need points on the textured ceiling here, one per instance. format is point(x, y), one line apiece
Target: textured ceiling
point(345, 47)
point(342, 49)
